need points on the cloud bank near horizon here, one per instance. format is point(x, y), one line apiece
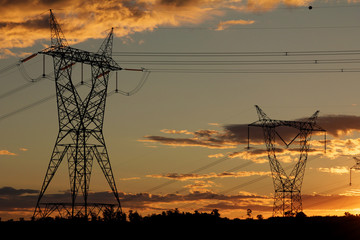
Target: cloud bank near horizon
point(21, 202)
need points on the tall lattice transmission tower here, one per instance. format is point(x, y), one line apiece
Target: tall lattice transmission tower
point(80, 138)
point(287, 187)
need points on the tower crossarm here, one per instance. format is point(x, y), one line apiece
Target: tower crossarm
point(300, 125)
point(76, 55)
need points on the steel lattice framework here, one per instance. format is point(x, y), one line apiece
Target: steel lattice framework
point(80, 139)
point(287, 195)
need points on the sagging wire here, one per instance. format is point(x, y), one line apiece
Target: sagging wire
point(24, 74)
point(137, 88)
point(27, 77)
point(17, 64)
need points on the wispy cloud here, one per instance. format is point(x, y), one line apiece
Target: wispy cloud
point(195, 176)
point(268, 5)
point(217, 155)
point(7, 153)
point(226, 24)
point(335, 170)
point(201, 138)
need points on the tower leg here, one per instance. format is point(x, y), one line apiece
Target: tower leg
point(80, 160)
point(103, 159)
point(56, 158)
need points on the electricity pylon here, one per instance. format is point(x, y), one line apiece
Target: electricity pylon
point(80, 138)
point(287, 196)
point(355, 167)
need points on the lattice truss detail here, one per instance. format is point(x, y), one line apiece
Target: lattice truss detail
point(287, 187)
point(80, 138)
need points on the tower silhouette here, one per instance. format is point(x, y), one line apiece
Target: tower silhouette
point(80, 138)
point(287, 188)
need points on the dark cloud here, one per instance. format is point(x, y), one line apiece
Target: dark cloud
point(234, 206)
point(180, 3)
point(207, 140)
point(41, 22)
point(12, 199)
point(9, 191)
point(234, 135)
point(239, 133)
point(337, 125)
point(231, 136)
point(15, 199)
point(196, 176)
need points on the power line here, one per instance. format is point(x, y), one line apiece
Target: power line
point(227, 171)
point(242, 62)
point(193, 171)
point(260, 28)
point(239, 54)
point(255, 71)
point(15, 90)
point(31, 105)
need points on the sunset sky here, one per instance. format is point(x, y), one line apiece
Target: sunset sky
point(180, 142)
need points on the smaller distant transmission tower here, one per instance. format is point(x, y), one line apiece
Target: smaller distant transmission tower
point(355, 167)
point(287, 196)
point(80, 138)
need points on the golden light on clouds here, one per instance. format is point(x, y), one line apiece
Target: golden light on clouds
point(267, 5)
point(25, 22)
point(7, 153)
point(224, 25)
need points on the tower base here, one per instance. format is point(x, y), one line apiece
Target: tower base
point(90, 211)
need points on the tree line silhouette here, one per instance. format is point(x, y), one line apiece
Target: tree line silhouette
point(342, 227)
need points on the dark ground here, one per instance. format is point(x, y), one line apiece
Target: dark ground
point(184, 225)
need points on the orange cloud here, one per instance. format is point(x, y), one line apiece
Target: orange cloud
point(330, 202)
point(226, 24)
point(7, 153)
point(195, 176)
point(342, 147)
point(285, 155)
point(268, 5)
point(217, 155)
point(22, 24)
point(335, 170)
